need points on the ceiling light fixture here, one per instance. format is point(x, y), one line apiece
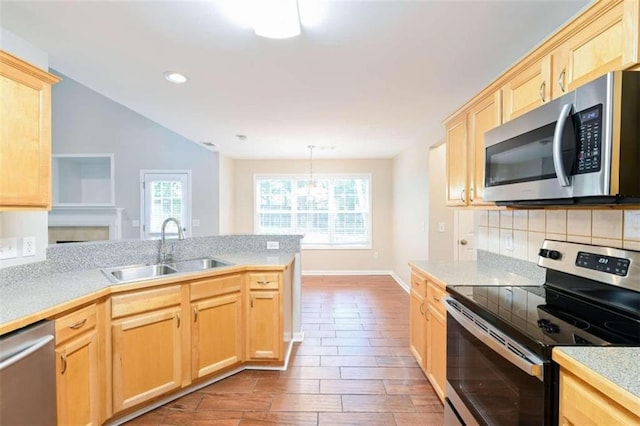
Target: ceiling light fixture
point(315, 192)
point(276, 18)
point(175, 77)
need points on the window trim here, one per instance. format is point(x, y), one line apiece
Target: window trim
point(188, 205)
point(305, 176)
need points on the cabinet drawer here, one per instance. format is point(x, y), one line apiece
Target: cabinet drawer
point(419, 284)
point(264, 281)
point(75, 323)
point(435, 294)
point(214, 286)
point(145, 300)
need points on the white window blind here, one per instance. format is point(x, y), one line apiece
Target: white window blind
point(332, 211)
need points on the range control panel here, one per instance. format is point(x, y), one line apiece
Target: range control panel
point(598, 262)
point(589, 135)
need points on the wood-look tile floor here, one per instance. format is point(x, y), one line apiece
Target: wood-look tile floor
point(353, 368)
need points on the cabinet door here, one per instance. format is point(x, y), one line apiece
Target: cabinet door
point(25, 139)
point(483, 117)
point(583, 405)
point(265, 331)
point(606, 44)
point(146, 356)
point(437, 351)
point(216, 334)
point(77, 384)
point(418, 330)
point(527, 89)
point(457, 161)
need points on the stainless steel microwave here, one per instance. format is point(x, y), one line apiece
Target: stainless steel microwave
point(582, 148)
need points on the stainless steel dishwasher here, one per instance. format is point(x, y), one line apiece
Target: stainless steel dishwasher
point(28, 377)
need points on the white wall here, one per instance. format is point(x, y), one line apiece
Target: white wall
point(410, 208)
point(440, 242)
point(24, 224)
point(377, 259)
point(86, 122)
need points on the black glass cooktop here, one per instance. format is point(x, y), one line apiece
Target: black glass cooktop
point(544, 316)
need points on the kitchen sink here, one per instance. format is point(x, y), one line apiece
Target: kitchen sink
point(137, 272)
point(122, 274)
point(197, 265)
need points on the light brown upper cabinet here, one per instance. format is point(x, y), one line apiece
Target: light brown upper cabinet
point(457, 161)
point(25, 135)
point(482, 117)
point(606, 39)
point(527, 89)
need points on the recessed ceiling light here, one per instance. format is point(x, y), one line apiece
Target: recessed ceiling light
point(241, 137)
point(208, 144)
point(175, 77)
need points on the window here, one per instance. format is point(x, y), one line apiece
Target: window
point(332, 211)
point(165, 195)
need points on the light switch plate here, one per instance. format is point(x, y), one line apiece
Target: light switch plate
point(8, 248)
point(273, 245)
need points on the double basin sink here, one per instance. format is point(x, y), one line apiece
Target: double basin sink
point(125, 274)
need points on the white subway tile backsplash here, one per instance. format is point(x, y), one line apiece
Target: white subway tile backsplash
point(557, 222)
point(579, 239)
point(631, 245)
point(534, 242)
point(607, 242)
point(579, 223)
point(494, 218)
point(537, 220)
point(506, 219)
point(520, 233)
point(482, 217)
point(520, 219)
point(607, 224)
point(631, 225)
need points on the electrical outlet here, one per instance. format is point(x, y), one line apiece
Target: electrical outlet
point(8, 248)
point(28, 246)
point(508, 242)
point(273, 245)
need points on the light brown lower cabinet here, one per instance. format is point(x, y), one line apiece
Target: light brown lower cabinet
point(216, 334)
point(77, 368)
point(146, 345)
point(428, 329)
point(264, 329)
point(582, 404)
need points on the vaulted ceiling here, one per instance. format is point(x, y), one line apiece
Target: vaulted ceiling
point(367, 79)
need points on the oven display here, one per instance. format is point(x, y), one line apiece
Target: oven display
point(597, 262)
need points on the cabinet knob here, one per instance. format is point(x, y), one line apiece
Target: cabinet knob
point(195, 314)
point(462, 195)
point(63, 361)
point(542, 90)
point(463, 242)
point(263, 282)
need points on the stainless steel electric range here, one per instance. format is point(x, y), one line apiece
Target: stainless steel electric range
point(500, 338)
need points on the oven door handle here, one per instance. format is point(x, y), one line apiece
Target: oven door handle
point(535, 368)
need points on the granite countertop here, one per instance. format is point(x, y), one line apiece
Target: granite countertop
point(619, 365)
point(487, 270)
point(32, 296)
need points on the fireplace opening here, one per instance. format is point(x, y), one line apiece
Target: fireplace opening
point(77, 234)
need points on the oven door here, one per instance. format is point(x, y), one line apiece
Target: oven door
point(492, 380)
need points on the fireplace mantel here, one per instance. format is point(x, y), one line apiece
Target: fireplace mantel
point(79, 216)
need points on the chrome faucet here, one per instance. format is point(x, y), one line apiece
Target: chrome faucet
point(163, 244)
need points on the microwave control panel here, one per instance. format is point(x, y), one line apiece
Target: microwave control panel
point(589, 137)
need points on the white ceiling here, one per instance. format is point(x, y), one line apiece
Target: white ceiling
point(372, 78)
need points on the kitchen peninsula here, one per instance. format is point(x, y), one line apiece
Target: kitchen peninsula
point(135, 345)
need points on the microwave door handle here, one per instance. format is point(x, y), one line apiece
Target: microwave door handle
point(558, 165)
